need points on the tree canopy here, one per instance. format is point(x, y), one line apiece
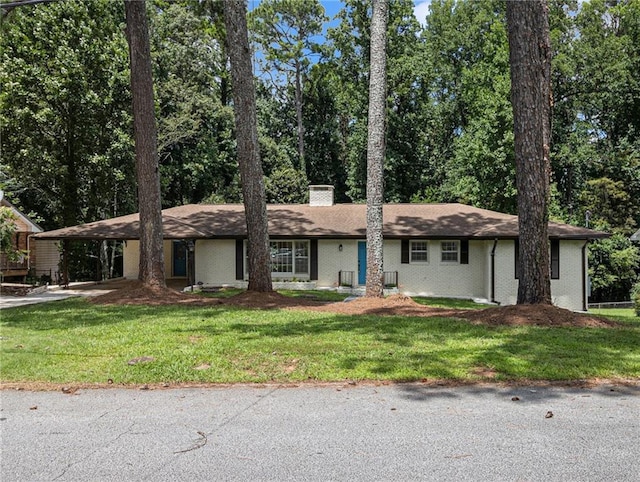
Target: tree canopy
point(66, 138)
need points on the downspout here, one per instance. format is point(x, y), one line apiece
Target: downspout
point(493, 270)
point(585, 296)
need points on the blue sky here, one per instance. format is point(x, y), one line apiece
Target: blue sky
point(332, 7)
point(421, 8)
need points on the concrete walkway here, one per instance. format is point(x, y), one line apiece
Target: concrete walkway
point(56, 293)
point(14, 301)
point(402, 432)
point(86, 289)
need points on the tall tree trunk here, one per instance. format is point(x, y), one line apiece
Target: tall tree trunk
point(251, 176)
point(303, 164)
point(151, 271)
point(376, 148)
point(530, 60)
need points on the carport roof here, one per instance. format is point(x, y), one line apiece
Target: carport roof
point(202, 221)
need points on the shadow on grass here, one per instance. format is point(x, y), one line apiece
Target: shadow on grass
point(412, 349)
point(338, 347)
point(75, 312)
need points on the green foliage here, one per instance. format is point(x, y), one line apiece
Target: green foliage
point(613, 265)
point(8, 228)
point(609, 204)
point(286, 31)
point(65, 136)
point(471, 57)
point(286, 186)
point(66, 140)
point(597, 107)
point(635, 298)
point(195, 129)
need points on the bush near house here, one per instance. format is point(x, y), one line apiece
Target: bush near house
point(635, 297)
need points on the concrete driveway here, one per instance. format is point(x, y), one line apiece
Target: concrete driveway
point(51, 295)
point(86, 289)
point(317, 433)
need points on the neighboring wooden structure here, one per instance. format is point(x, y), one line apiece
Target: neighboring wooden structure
point(41, 258)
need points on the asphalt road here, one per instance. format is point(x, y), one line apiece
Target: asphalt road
point(319, 433)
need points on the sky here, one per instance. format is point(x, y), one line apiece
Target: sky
point(332, 7)
point(421, 8)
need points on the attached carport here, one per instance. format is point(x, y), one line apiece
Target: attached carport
point(123, 229)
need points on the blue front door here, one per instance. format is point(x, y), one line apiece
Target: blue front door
point(179, 259)
point(362, 262)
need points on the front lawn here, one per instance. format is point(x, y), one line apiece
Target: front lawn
point(621, 315)
point(74, 341)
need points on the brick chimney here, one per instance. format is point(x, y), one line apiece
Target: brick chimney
point(321, 195)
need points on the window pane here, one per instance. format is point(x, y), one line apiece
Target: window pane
point(302, 257)
point(419, 251)
point(449, 251)
point(281, 257)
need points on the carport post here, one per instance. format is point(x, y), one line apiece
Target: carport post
point(65, 263)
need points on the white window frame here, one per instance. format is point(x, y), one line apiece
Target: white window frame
point(449, 251)
point(413, 243)
point(294, 246)
point(294, 258)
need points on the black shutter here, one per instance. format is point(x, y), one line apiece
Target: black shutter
point(516, 250)
point(464, 251)
point(404, 251)
point(313, 269)
point(239, 259)
point(555, 259)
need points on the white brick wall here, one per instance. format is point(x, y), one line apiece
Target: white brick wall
point(131, 259)
point(436, 278)
point(566, 292)
point(215, 265)
point(331, 260)
point(215, 261)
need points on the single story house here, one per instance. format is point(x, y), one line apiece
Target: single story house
point(450, 250)
point(40, 257)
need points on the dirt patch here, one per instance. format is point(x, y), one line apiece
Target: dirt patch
point(134, 293)
point(394, 305)
point(537, 315)
point(266, 301)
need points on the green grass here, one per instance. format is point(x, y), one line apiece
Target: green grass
point(74, 341)
point(621, 315)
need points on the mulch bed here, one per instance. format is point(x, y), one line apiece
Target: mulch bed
point(134, 293)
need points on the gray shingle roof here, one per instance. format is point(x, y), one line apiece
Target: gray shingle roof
point(338, 221)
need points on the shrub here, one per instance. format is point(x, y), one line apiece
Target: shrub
point(635, 297)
